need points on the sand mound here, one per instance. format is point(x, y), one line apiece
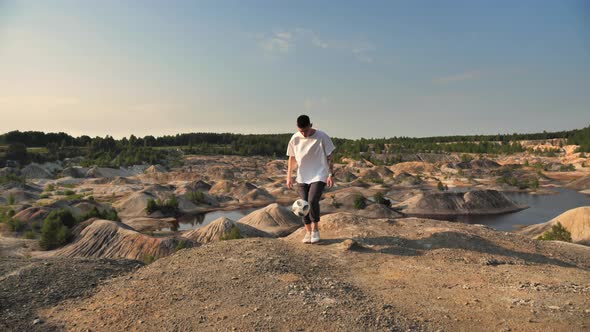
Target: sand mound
point(276, 167)
point(220, 173)
point(576, 221)
point(273, 219)
point(36, 171)
point(31, 214)
point(257, 195)
point(377, 211)
point(453, 203)
point(155, 169)
point(133, 205)
point(406, 179)
point(220, 227)
point(344, 174)
point(193, 186)
point(74, 172)
point(109, 239)
point(414, 167)
point(19, 195)
point(146, 224)
point(242, 189)
point(103, 172)
point(580, 184)
point(222, 187)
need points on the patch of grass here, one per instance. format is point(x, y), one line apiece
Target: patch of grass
point(96, 213)
point(69, 186)
point(74, 197)
point(197, 197)
point(30, 235)
point(49, 187)
point(44, 195)
point(557, 233)
point(148, 259)
point(181, 245)
point(11, 178)
point(360, 202)
point(377, 180)
point(69, 192)
point(233, 234)
point(11, 199)
point(380, 198)
point(15, 225)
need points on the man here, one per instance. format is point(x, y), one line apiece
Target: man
point(311, 150)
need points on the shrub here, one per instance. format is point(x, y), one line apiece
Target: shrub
point(30, 235)
point(233, 234)
point(557, 233)
point(69, 192)
point(168, 207)
point(197, 197)
point(440, 186)
point(151, 206)
point(181, 245)
point(380, 198)
point(44, 195)
point(360, 202)
point(63, 215)
point(567, 168)
point(49, 187)
point(110, 214)
point(148, 259)
point(15, 225)
point(466, 158)
point(172, 202)
point(377, 180)
point(11, 199)
point(53, 233)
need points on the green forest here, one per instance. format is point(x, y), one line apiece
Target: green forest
point(35, 146)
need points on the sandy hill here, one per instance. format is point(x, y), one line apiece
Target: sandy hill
point(414, 167)
point(367, 275)
point(458, 203)
point(110, 239)
point(576, 221)
point(220, 227)
point(273, 219)
point(580, 184)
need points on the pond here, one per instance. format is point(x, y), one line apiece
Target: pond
point(542, 208)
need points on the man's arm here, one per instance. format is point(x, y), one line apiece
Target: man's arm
point(290, 166)
point(330, 182)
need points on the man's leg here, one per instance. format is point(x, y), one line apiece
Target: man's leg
point(315, 193)
point(303, 191)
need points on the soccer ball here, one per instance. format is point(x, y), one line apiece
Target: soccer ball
point(300, 207)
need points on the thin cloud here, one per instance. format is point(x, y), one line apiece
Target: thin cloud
point(283, 42)
point(279, 42)
point(465, 76)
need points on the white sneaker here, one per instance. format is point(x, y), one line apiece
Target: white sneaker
point(307, 237)
point(315, 236)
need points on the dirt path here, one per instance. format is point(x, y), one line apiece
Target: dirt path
point(270, 284)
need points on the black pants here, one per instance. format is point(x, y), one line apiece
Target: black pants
point(311, 193)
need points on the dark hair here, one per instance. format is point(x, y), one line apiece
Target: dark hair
point(303, 121)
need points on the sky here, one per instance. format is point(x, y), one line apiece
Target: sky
point(357, 68)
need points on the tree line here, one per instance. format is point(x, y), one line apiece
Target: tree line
point(111, 152)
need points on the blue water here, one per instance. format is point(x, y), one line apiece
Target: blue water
point(542, 208)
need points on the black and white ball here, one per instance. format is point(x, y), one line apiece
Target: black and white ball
point(300, 207)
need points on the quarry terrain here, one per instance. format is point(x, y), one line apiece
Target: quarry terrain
point(141, 257)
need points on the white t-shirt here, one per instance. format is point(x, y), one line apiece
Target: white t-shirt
point(311, 154)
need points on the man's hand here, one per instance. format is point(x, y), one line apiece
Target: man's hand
point(289, 182)
point(330, 182)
